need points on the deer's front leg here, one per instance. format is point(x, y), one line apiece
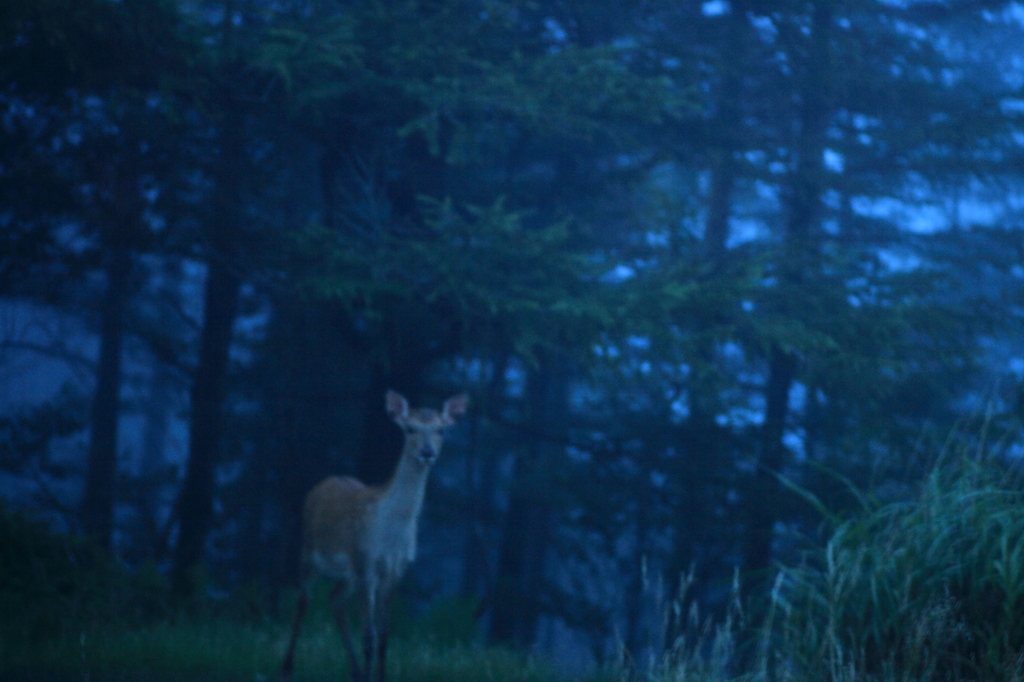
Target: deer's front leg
point(375, 633)
point(370, 643)
point(339, 604)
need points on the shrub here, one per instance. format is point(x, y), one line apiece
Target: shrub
point(53, 584)
point(923, 590)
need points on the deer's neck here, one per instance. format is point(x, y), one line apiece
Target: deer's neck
point(402, 498)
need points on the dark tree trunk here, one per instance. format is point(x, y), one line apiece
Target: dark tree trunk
point(723, 164)
point(195, 501)
point(315, 415)
point(716, 228)
point(481, 483)
point(799, 262)
point(519, 584)
point(330, 159)
point(382, 439)
point(701, 444)
point(515, 597)
point(765, 489)
point(194, 508)
point(407, 359)
point(637, 638)
point(474, 562)
point(98, 500)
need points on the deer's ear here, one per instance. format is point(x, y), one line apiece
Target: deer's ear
point(397, 406)
point(454, 408)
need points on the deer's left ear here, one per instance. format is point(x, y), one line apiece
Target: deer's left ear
point(454, 408)
point(397, 406)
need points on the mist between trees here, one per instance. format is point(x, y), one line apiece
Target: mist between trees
point(686, 258)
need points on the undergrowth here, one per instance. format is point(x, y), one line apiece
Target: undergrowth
point(229, 651)
point(51, 583)
point(925, 590)
point(928, 589)
point(69, 612)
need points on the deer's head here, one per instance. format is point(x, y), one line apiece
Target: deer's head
point(424, 428)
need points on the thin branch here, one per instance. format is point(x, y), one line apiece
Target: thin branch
point(50, 499)
point(54, 351)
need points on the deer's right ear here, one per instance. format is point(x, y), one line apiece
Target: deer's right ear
point(397, 406)
point(454, 408)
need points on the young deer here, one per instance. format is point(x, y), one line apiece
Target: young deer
point(364, 537)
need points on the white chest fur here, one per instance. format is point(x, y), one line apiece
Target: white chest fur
point(390, 542)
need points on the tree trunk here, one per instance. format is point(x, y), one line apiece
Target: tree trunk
point(195, 502)
point(723, 164)
point(798, 262)
point(519, 585)
point(765, 489)
point(315, 378)
point(716, 228)
point(382, 440)
point(701, 443)
point(638, 640)
point(98, 500)
point(702, 446)
point(481, 482)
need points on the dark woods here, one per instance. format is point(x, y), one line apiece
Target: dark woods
point(685, 257)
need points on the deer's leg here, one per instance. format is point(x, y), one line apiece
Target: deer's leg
point(375, 633)
point(339, 602)
point(300, 612)
point(370, 641)
point(383, 623)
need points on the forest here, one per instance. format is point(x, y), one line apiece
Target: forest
point(735, 289)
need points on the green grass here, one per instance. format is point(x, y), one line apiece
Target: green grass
point(226, 651)
point(69, 612)
point(201, 651)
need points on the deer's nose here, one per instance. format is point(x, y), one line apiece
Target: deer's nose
point(427, 453)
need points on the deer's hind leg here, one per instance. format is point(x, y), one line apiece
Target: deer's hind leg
point(339, 604)
point(300, 612)
point(382, 620)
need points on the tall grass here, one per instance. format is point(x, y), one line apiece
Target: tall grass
point(704, 648)
point(922, 590)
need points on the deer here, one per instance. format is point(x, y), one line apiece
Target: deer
point(364, 537)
